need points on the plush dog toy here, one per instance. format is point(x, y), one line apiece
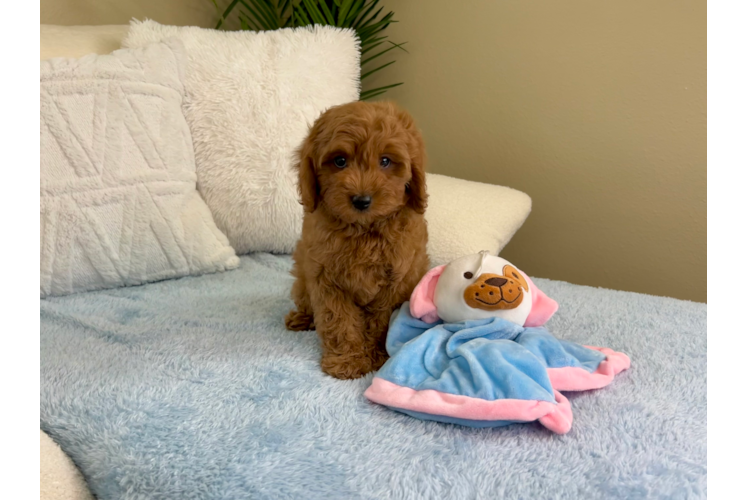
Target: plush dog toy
point(469, 348)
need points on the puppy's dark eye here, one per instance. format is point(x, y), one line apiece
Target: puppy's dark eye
point(340, 161)
point(468, 275)
point(385, 162)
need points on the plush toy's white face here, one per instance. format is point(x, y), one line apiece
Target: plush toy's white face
point(482, 286)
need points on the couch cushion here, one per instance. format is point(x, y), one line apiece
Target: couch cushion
point(252, 97)
point(119, 204)
point(466, 217)
point(59, 479)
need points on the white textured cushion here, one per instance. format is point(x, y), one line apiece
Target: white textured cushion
point(79, 41)
point(251, 98)
point(119, 204)
point(466, 217)
point(59, 478)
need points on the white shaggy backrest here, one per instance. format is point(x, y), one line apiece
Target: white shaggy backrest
point(251, 97)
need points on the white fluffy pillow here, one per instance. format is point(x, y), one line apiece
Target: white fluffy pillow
point(466, 217)
point(79, 41)
point(250, 100)
point(119, 203)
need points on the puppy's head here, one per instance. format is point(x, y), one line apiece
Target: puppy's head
point(362, 162)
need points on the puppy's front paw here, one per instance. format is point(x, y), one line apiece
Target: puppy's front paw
point(352, 366)
point(345, 367)
point(299, 321)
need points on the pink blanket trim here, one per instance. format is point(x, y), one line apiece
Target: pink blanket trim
point(557, 417)
point(579, 379)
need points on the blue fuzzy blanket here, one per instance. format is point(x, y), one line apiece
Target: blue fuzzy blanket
point(192, 388)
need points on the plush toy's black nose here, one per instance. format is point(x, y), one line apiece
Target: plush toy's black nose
point(496, 281)
point(361, 202)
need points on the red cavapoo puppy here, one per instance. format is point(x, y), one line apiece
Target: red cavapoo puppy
point(363, 241)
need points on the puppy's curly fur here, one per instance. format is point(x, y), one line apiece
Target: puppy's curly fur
point(355, 266)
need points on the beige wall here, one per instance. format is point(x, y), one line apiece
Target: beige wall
point(84, 12)
point(596, 109)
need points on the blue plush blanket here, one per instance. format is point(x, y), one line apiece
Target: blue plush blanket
point(192, 388)
point(486, 373)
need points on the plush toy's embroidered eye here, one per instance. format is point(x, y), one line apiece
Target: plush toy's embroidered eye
point(339, 161)
point(385, 162)
point(468, 275)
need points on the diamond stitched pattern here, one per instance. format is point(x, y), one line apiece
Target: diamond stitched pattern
point(119, 204)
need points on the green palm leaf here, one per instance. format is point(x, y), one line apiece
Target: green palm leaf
point(368, 8)
point(328, 13)
point(226, 13)
point(314, 12)
point(344, 8)
point(301, 16)
point(355, 9)
point(371, 72)
point(375, 45)
point(394, 46)
point(368, 94)
point(365, 24)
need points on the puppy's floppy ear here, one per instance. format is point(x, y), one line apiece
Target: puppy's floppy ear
point(308, 185)
point(418, 197)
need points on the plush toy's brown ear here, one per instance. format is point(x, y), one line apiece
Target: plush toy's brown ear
point(417, 185)
point(308, 185)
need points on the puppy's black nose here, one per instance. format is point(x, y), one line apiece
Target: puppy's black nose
point(496, 281)
point(361, 202)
